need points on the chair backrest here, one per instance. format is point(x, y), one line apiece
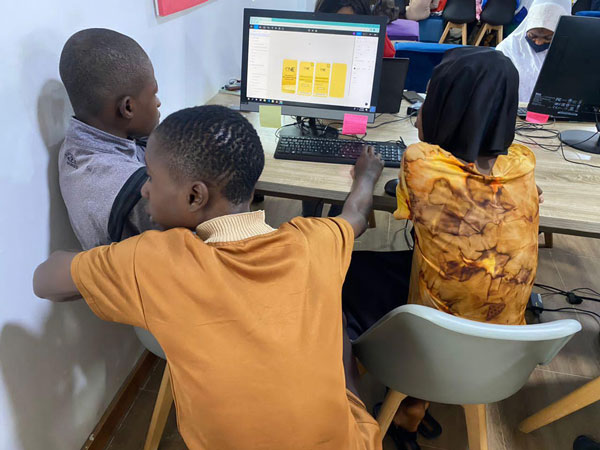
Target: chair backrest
point(459, 11)
point(150, 342)
point(499, 12)
point(435, 356)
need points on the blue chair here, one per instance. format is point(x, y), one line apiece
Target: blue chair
point(431, 29)
point(588, 13)
point(423, 58)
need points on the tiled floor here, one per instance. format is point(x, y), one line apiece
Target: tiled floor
point(573, 262)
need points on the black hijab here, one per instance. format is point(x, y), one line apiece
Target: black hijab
point(471, 104)
point(361, 7)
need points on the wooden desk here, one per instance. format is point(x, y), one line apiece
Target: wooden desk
point(571, 191)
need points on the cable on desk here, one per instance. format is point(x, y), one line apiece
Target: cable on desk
point(528, 132)
point(399, 119)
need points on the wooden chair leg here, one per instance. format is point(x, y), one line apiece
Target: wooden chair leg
point(464, 34)
point(476, 426)
point(580, 398)
point(388, 410)
point(161, 412)
point(482, 32)
point(446, 31)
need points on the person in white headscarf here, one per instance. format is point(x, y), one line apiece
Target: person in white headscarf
point(527, 46)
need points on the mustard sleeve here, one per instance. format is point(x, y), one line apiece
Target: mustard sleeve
point(332, 239)
point(402, 197)
point(106, 278)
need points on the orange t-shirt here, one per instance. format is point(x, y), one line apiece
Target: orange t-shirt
point(252, 331)
point(476, 243)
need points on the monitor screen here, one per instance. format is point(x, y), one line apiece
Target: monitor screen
point(569, 82)
point(313, 65)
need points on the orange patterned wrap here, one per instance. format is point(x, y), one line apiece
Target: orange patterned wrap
point(476, 243)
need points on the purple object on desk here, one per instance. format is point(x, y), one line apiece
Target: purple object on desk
point(403, 30)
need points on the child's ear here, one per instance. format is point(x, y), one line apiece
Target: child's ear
point(126, 107)
point(198, 196)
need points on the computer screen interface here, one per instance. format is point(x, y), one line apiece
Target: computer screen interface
point(316, 65)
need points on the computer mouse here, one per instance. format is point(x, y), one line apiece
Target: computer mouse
point(390, 187)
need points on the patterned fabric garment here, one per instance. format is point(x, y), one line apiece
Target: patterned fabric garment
point(476, 243)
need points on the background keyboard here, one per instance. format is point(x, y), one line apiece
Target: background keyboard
point(338, 151)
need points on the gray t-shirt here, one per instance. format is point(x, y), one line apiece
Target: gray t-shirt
point(100, 179)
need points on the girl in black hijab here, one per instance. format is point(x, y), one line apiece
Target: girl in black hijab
point(471, 196)
point(471, 105)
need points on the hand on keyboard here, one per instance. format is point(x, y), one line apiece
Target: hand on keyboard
point(369, 164)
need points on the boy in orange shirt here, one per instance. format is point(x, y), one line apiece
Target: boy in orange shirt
point(249, 317)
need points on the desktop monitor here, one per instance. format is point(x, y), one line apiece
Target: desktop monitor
point(313, 65)
point(568, 85)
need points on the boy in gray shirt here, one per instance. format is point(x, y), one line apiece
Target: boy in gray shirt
point(111, 86)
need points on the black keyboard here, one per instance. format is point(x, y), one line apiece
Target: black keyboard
point(338, 151)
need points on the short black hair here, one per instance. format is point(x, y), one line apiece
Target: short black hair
point(362, 7)
point(213, 144)
point(97, 65)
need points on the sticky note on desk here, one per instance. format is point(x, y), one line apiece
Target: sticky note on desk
point(354, 124)
point(533, 117)
point(270, 116)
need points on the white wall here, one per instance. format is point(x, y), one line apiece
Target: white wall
point(59, 365)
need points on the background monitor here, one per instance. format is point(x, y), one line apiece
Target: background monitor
point(391, 86)
point(312, 64)
point(568, 85)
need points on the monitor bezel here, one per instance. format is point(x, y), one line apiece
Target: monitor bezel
point(305, 109)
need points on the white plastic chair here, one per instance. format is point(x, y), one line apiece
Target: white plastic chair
point(164, 400)
point(424, 353)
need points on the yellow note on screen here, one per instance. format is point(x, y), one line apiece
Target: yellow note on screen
point(322, 79)
point(289, 76)
point(338, 80)
point(305, 78)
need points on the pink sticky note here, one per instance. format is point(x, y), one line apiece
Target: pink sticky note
point(354, 124)
point(534, 117)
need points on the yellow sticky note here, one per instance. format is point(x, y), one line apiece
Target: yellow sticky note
point(270, 116)
point(338, 80)
point(289, 76)
point(305, 78)
point(322, 79)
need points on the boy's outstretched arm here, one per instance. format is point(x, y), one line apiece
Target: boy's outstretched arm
point(359, 203)
point(52, 279)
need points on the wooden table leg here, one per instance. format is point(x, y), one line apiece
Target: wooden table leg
point(372, 221)
point(476, 426)
point(161, 412)
point(388, 410)
point(580, 398)
point(548, 240)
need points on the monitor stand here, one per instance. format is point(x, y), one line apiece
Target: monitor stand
point(586, 141)
point(301, 129)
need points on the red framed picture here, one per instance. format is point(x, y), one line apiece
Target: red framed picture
point(166, 7)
